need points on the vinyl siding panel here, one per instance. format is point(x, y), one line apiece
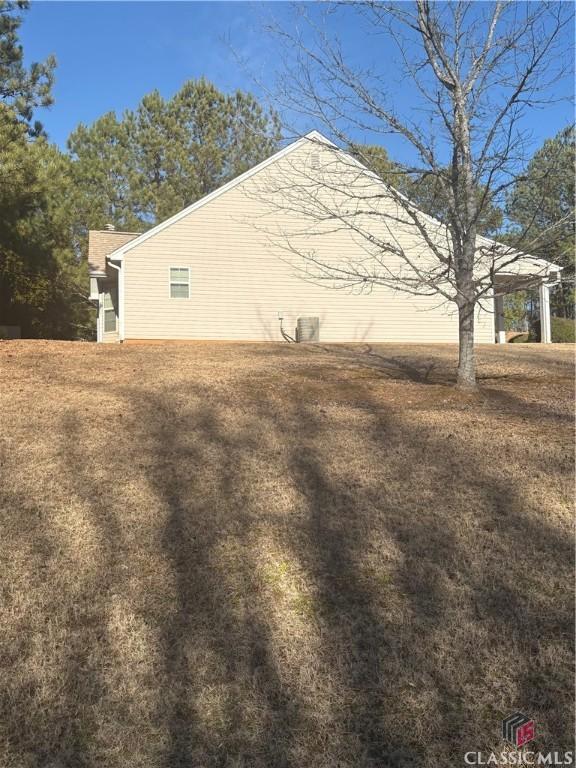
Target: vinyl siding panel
point(241, 276)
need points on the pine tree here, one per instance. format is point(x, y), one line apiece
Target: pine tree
point(40, 272)
point(103, 169)
point(42, 278)
point(166, 154)
point(541, 203)
point(21, 88)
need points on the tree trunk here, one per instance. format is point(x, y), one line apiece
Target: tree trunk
point(466, 362)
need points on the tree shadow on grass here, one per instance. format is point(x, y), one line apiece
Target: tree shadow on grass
point(359, 636)
point(430, 600)
point(226, 704)
point(511, 405)
point(385, 672)
point(49, 719)
point(406, 645)
point(472, 602)
point(400, 368)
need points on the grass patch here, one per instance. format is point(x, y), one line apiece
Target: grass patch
point(268, 555)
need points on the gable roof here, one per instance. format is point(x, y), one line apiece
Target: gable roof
point(133, 239)
point(103, 242)
point(313, 136)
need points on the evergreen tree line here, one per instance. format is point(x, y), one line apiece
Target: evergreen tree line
point(130, 171)
point(137, 169)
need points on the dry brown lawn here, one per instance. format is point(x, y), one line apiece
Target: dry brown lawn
point(264, 555)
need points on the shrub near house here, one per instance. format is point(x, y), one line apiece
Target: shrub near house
point(563, 330)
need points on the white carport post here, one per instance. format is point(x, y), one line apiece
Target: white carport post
point(499, 319)
point(545, 326)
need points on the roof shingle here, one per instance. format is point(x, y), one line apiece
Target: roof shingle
point(102, 242)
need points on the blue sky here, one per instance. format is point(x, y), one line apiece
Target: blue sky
point(111, 53)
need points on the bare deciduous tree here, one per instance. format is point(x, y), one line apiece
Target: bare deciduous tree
point(476, 68)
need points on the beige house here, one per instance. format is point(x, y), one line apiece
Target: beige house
point(229, 266)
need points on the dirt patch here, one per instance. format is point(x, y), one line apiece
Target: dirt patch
point(269, 555)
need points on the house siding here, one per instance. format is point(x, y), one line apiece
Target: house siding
point(241, 278)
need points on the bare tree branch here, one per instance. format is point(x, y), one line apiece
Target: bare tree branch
point(477, 68)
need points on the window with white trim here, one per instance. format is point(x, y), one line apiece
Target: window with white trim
point(179, 282)
point(109, 313)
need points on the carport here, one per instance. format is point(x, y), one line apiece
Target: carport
point(510, 283)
